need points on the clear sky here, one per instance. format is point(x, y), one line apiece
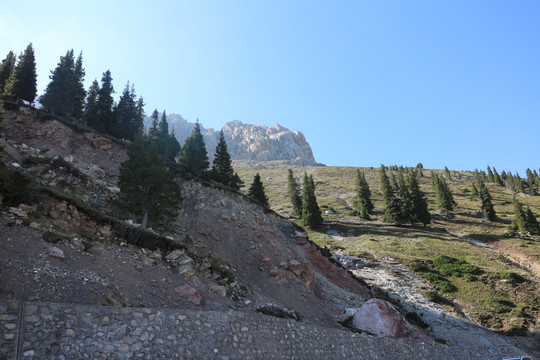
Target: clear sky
point(445, 83)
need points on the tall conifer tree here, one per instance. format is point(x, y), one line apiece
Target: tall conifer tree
point(311, 213)
point(22, 83)
point(128, 115)
point(193, 156)
point(256, 191)
point(8, 64)
point(91, 109)
point(106, 121)
point(148, 188)
point(222, 170)
point(362, 201)
point(485, 198)
point(419, 212)
point(293, 192)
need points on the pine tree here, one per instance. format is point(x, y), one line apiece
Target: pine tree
point(490, 176)
point(193, 156)
point(222, 170)
point(153, 131)
point(386, 188)
point(447, 174)
point(148, 188)
point(474, 191)
point(65, 92)
point(419, 212)
point(106, 121)
point(169, 146)
point(128, 115)
point(393, 182)
point(163, 127)
point(362, 201)
point(518, 184)
point(392, 207)
point(497, 179)
point(22, 83)
point(256, 191)
point(531, 182)
point(518, 222)
point(311, 213)
point(91, 110)
point(420, 168)
point(405, 200)
point(531, 224)
point(293, 192)
point(80, 93)
point(485, 198)
point(8, 64)
point(443, 197)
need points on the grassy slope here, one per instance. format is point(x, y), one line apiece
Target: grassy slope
point(335, 190)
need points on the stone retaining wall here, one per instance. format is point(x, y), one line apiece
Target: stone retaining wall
point(65, 331)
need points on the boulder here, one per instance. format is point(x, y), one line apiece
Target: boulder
point(301, 271)
point(55, 252)
point(18, 212)
point(380, 318)
point(175, 254)
point(28, 208)
point(186, 271)
point(189, 293)
point(97, 171)
point(78, 244)
point(219, 289)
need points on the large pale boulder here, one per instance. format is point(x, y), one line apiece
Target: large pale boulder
point(379, 317)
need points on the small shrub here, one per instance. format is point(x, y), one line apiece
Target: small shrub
point(515, 330)
point(446, 287)
point(511, 276)
point(435, 297)
point(470, 277)
point(450, 266)
point(418, 266)
point(216, 267)
point(414, 319)
point(13, 187)
point(500, 305)
point(354, 212)
point(440, 282)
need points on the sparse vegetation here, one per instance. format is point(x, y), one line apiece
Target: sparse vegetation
point(512, 277)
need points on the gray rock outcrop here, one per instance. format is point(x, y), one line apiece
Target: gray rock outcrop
point(250, 142)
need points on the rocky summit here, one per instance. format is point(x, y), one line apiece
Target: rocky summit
point(250, 142)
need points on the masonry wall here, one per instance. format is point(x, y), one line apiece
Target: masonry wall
point(65, 331)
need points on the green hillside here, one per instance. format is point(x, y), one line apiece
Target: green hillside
point(502, 294)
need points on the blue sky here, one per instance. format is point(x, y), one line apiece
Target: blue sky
point(445, 83)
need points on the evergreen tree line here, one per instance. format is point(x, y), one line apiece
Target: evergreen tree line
point(404, 201)
point(147, 177)
point(530, 185)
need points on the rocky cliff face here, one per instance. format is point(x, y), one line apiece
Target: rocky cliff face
point(261, 143)
point(250, 142)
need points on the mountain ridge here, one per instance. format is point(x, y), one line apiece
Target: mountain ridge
point(249, 142)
